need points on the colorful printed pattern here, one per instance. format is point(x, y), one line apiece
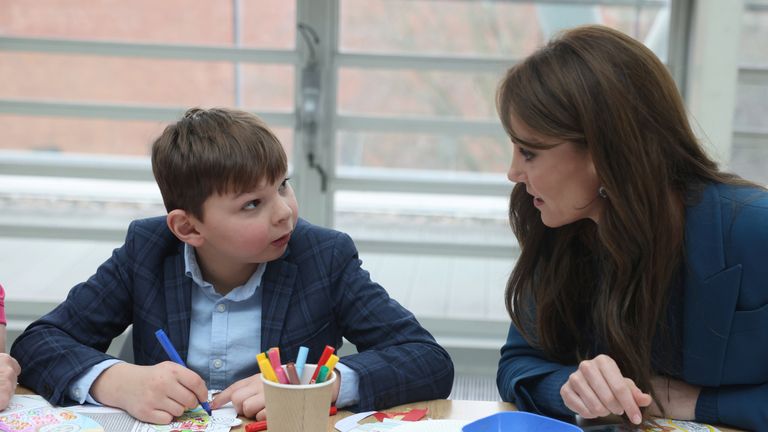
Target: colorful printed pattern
point(46, 419)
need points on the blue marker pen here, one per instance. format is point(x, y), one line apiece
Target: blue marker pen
point(301, 360)
point(174, 356)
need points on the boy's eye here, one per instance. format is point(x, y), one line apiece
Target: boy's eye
point(250, 205)
point(284, 184)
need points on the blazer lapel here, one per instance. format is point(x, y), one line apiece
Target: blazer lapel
point(178, 302)
point(711, 292)
point(277, 286)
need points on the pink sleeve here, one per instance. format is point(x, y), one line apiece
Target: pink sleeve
point(2, 305)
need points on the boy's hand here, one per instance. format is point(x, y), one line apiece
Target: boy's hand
point(247, 396)
point(598, 389)
point(153, 394)
point(9, 370)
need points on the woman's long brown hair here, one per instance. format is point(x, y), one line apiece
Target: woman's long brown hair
point(584, 284)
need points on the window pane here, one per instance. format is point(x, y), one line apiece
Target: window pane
point(417, 93)
point(754, 34)
point(478, 154)
point(751, 107)
point(473, 220)
point(495, 29)
point(82, 78)
point(265, 23)
point(749, 157)
point(78, 135)
point(91, 136)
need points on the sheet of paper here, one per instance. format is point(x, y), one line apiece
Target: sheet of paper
point(428, 425)
point(664, 425)
point(33, 411)
point(26, 413)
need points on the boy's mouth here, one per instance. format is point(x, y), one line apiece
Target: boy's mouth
point(282, 241)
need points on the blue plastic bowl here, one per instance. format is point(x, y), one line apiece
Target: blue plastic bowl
point(519, 421)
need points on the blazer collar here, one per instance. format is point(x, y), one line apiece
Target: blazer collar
point(704, 246)
point(178, 301)
point(710, 292)
point(277, 286)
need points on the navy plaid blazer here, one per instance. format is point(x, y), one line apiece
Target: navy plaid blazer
point(314, 295)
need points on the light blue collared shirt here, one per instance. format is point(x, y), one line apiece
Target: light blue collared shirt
point(224, 337)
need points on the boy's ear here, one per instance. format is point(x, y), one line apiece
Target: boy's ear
point(183, 226)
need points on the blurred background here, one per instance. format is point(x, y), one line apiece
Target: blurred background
point(385, 107)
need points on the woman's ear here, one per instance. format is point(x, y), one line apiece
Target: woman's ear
point(184, 226)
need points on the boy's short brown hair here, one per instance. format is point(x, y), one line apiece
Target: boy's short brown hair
point(215, 150)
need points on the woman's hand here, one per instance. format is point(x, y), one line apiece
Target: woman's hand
point(598, 389)
point(677, 397)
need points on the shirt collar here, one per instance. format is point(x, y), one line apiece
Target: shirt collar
point(243, 292)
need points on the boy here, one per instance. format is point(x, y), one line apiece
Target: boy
point(230, 272)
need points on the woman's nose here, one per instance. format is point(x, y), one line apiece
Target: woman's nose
point(515, 173)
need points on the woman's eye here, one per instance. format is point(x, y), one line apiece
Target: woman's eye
point(250, 205)
point(527, 154)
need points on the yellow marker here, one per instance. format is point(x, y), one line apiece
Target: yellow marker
point(266, 369)
point(260, 356)
point(331, 363)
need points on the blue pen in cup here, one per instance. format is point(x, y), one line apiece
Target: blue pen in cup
point(174, 356)
point(301, 359)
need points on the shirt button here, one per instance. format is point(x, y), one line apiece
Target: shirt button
point(218, 363)
point(77, 394)
point(221, 307)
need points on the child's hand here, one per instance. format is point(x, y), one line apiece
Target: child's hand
point(153, 394)
point(9, 370)
point(247, 395)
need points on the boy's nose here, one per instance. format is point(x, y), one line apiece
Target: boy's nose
point(283, 211)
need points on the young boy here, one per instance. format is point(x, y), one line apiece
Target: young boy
point(9, 368)
point(230, 272)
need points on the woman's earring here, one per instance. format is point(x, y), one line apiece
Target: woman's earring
point(602, 192)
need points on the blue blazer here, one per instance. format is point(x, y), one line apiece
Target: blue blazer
point(314, 295)
point(725, 318)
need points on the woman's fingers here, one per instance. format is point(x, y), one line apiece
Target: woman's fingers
point(598, 388)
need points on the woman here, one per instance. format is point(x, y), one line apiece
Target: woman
point(643, 275)
point(9, 368)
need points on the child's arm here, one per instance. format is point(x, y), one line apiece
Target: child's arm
point(153, 394)
point(60, 347)
point(398, 361)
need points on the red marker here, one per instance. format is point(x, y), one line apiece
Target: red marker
point(262, 425)
point(323, 359)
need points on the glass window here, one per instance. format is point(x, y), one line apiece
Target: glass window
point(264, 23)
point(749, 155)
point(430, 152)
point(487, 29)
point(416, 93)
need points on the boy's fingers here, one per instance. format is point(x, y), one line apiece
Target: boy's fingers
point(224, 397)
